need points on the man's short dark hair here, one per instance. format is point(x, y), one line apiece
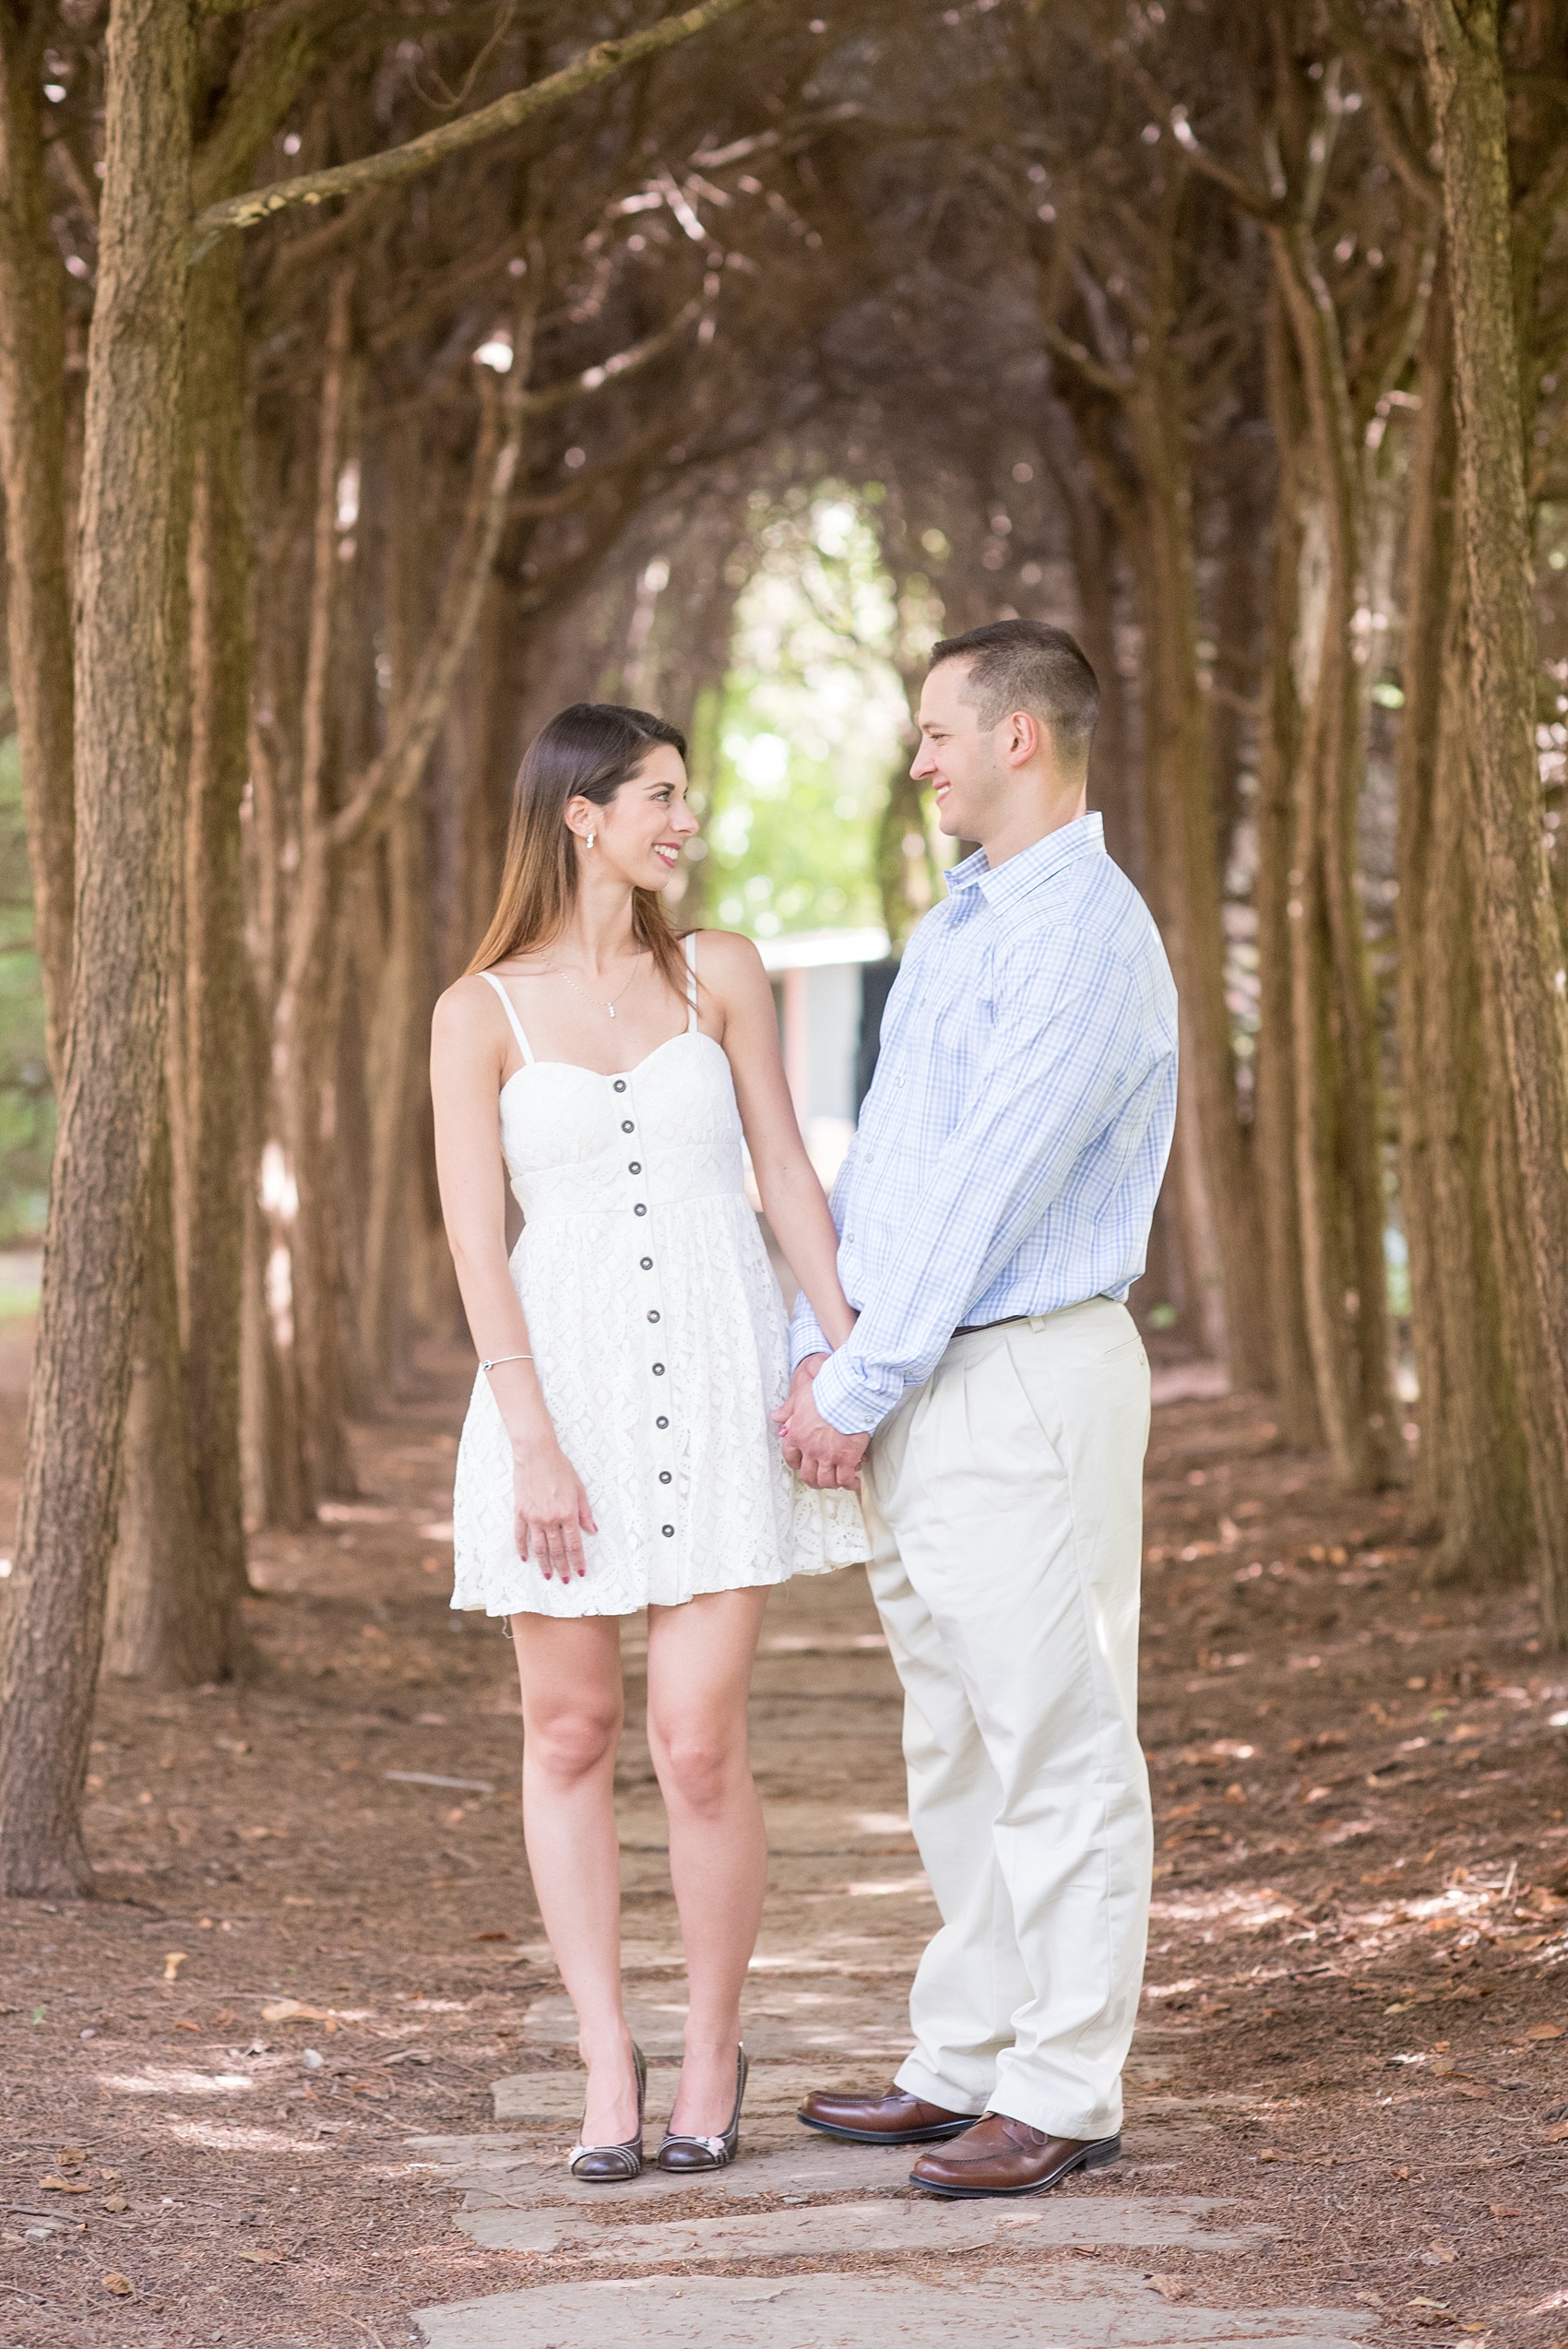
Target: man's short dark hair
point(1027, 664)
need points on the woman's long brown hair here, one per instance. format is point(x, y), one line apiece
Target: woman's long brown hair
point(585, 752)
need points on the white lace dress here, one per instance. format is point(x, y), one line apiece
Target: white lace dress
point(659, 1340)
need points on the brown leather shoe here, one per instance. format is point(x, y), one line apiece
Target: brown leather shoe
point(1000, 2155)
point(892, 2118)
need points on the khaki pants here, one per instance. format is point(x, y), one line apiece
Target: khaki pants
point(1005, 1513)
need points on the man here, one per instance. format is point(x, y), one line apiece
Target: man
point(992, 1212)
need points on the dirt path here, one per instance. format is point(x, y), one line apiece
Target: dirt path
point(249, 2093)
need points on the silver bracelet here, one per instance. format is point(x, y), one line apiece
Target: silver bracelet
point(504, 1358)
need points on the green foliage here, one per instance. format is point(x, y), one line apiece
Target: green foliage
point(811, 723)
point(26, 1098)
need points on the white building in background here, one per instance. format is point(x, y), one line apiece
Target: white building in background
point(829, 986)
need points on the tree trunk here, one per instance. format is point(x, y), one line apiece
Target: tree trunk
point(303, 1024)
point(394, 1063)
point(1179, 798)
point(1274, 1114)
point(1092, 550)
point(1473, 1483)
point(211, 1243)
point(172, 1615)
point(1519, 929)
point(1238, 602)
point(112, 1102)
point(1340, 1170)
point(905, 868)
point(32, 473)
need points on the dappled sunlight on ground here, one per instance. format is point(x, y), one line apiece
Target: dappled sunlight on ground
point(314, 1955)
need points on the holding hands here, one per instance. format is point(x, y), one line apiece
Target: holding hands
point(819, 1454)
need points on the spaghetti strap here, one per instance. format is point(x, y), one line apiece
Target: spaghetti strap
point(691, 982)
point(513, 1022)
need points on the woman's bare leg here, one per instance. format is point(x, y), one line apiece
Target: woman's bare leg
point(570, 1676)
point(699, 1670)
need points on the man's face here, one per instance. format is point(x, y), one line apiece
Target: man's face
point(965, 768)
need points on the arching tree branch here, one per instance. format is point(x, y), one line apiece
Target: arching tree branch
point(417, 155)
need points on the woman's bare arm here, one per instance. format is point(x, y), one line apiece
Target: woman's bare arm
point(793, 1198)
point(467, 1054)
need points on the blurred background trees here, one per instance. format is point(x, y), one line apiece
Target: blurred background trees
point(460, 369)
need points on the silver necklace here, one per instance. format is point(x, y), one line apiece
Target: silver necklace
point(610, 1007)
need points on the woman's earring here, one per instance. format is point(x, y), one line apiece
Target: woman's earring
point(589, 840)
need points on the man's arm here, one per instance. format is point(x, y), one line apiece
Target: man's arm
point(807, 1336)
point(1069, 1050)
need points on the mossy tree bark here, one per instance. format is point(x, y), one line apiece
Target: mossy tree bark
point(111, 1099)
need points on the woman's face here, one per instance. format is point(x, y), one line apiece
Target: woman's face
point(638, 837)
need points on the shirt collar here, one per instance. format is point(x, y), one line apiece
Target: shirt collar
point(1010, 883)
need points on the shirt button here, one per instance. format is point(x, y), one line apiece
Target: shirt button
point(646, 1262)
point(635, 1167)
point(664, 1477)
point(661, 1423)
point(659, 1369)
point(639, 1209)
point(653, 1317)
point(620, 1084)
point(626, 1126)
point(667, 1530)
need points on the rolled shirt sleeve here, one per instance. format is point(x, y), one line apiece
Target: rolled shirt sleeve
point(806, 1336)
point(1067, 1057)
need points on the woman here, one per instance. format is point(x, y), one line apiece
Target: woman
point(618, 1452)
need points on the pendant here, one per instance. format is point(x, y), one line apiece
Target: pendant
point(610, 1009)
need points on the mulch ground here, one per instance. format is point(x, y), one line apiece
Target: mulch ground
point(311, 1939)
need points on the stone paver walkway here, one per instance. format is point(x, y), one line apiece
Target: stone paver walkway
point(804, 2244)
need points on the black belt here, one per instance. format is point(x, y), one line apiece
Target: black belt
point(973, 1328)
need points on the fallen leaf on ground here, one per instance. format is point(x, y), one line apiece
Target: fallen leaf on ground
point(52, 2185)
point(1169, 2287)
point(495, 1937)
point(1503, 2209)
point(171, 1965)
point(1545, 2031)
point(1443, 2253)
point(295, 2010)
point(121, 2285)
point(408, 2054)
point(263, 2259)
point(114, 2202)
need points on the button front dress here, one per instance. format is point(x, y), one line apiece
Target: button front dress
point(659, 1337)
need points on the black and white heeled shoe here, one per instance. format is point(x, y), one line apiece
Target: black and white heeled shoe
point(614, 2164)
point(708, 2152)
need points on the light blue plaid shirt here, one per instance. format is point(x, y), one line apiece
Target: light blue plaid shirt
point(1015, 1135)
